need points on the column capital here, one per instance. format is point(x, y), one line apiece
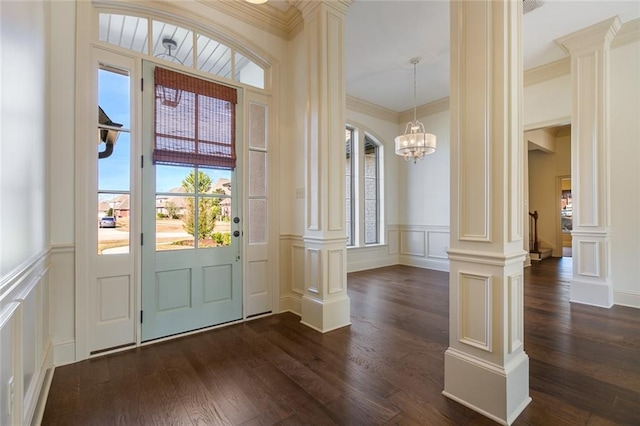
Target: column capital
point(590, 38)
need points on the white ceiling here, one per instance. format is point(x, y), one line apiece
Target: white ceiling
point(383, 35)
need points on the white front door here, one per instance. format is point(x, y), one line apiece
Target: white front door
point(191, 249)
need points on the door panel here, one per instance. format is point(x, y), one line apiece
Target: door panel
point(191, 263)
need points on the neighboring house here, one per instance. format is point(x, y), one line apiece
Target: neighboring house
point(60, 302)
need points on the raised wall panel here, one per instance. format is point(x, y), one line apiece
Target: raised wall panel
point(588, 258)
point(392, 241)
point(173, 289)
point(475, 310)
point(314, 274)
point(10, 350)
point(217, 283)
point(437, 244)
point(257, 278)
point(475, 130)
point(515, 312)
point(297, 265)
point(412, 242)
point(335, 263)
point(586, 133)
point(29, 337)
point(314, 154)
point(335, 115)
point(113, 298)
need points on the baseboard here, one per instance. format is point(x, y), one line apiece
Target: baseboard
point(291, 303)
point(36, 398)
point(626, 298)
point(591, 293)
point(428, 263)
point(42, 399)
point(373, 263)
point(64, 352)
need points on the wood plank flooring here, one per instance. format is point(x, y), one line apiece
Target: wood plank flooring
point(385, 369)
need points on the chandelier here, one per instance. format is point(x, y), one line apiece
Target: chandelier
point(415, 143)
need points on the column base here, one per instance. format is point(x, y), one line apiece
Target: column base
point(500, 393)
point(590, 293)
point(325, 315)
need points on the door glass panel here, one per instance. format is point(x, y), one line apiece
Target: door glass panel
point(113, 156)
point(257, 173)
point(192, 202)
point(172, 229)
point(113, 223)
point(257, 221)
point(214, 224)
point(257, 126)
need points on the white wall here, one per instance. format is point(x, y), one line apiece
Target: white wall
point(426, 199)
point(547, 103)
point(625, 174)
point(23, 148)
point(25, 350)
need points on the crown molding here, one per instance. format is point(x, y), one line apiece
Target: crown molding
point(305, 6)
point(427, 109)
point(628, 33)
point(285, 25)
point(590, 37)
point(548, 71)
point(372, 110)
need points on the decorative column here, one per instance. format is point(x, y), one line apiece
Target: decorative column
point(590, 162)
point(325, 304)
point(486, 367)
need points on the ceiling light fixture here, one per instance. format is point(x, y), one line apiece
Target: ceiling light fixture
point(169, 44)
point(256, 1)
point(169, 96)
point(416, 142)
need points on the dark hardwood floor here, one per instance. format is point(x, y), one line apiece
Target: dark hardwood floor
point(386, 368)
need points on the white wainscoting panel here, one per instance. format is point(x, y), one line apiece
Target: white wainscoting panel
point(475, 310)
point(589, 258)
point(515, 312)
point(291, 273)
point(25, 345)
point(412, 242)
point(424, 246)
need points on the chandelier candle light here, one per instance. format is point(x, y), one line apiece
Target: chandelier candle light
point(416, 142)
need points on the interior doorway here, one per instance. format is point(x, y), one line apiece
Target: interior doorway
point(566, 216)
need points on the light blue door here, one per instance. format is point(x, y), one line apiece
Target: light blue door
point(191, 259)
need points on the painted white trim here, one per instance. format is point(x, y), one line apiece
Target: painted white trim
point(626, 298)
point(64, 352)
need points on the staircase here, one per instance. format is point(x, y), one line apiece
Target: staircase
point(536, 251)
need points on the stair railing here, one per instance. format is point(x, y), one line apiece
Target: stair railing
point(533, 245)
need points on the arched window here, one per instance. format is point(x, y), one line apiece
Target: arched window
point(179, 45)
